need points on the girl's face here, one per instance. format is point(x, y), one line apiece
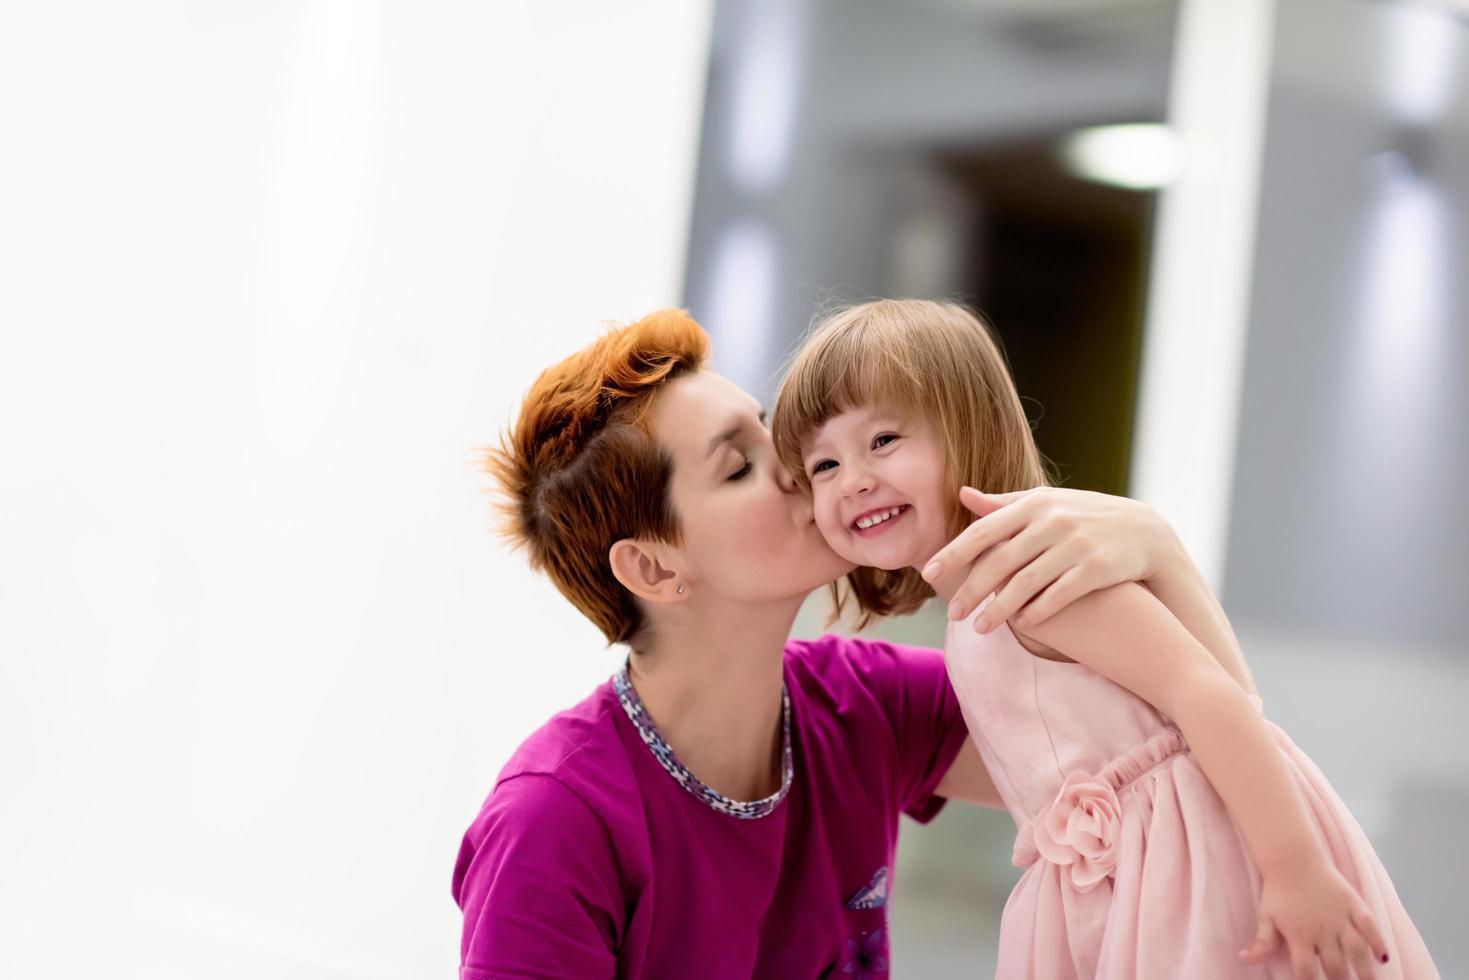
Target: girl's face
point(747, 526)
point(878, 487)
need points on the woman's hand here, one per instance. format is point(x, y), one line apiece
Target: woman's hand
point(1044, 548)
point(1318, 915)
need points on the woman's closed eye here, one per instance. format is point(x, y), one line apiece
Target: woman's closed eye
point(742, 472)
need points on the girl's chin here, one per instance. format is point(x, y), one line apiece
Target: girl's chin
point(887, 563)
point(884, 558)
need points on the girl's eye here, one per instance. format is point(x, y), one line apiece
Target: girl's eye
point(884, 439)
point(825, 464)
point(742, 472)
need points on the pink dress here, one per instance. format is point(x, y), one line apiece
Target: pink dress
point(1133, 867)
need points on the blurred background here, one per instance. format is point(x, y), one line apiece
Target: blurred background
point(272, 271)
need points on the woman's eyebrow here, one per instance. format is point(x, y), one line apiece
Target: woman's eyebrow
point(729, 433)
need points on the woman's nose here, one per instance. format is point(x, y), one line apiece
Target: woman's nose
point(785, 479)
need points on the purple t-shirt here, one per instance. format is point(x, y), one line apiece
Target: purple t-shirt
point(590, 860)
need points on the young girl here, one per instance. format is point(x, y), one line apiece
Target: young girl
point(1162, 820)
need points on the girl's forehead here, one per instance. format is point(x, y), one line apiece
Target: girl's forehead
point(856, 416)
point(868, 411)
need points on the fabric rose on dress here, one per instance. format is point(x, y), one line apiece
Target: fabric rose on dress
point(1079, 830)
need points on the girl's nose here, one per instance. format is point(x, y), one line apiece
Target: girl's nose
point(855, 481)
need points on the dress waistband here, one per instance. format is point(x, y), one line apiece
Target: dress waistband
point(1143, 758)
point(1078, 830)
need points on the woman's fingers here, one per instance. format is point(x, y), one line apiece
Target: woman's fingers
point(975, 539)
point(995, 499)
point(1037, 571)
point(997, 569)
point(1056, 596)
point(1026, 543)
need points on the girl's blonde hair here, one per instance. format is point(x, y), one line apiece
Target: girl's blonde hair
point(931, 359)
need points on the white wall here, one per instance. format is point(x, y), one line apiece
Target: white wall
point(271, 270)
point(1352, 457)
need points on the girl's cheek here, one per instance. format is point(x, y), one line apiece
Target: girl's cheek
point(821, 502)
point(829, 530)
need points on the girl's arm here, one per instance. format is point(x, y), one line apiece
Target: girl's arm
point(1042, 549)
point(1180, 586)
point(1126, 634)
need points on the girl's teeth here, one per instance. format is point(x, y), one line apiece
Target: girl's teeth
point(866, 522)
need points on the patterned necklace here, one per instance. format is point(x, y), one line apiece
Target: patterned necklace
point(663, 752)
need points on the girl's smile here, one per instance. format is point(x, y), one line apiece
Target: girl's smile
point(874, 521)
point(878, 487)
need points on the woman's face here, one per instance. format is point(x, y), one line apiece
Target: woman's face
point(877, 482)
point(748, 529)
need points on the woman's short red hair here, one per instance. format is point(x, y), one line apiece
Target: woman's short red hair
point(579, 468)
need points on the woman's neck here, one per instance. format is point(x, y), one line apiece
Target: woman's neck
point(711, 682)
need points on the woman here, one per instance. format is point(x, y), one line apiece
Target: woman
point(727, 804)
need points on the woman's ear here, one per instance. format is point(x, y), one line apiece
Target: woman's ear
point(637, 565)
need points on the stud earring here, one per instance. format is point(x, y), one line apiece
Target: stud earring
point(680, 590)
